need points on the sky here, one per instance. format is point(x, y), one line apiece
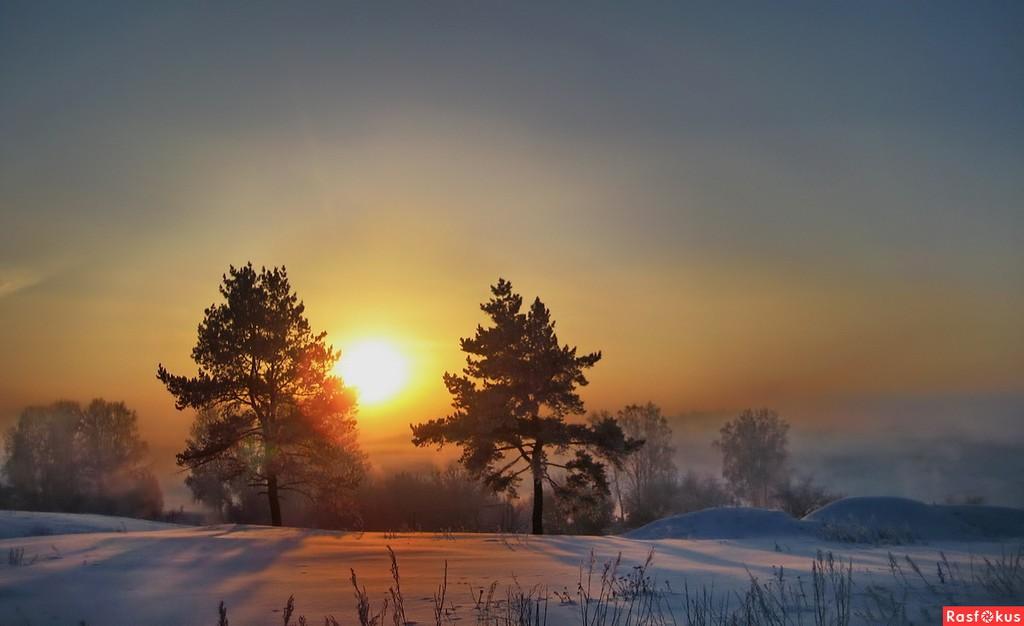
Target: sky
point(813, 206)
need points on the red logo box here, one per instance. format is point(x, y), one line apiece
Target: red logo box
point(952, 615)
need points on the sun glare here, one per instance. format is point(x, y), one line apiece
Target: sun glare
point(375, 368)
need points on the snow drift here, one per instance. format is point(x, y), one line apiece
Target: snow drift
point(891, 519)
point(857, 520)
point(723, 523)
point(882, 518)
point(993, 522)
point(32, 524)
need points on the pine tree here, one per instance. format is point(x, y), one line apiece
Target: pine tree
point(511, 403)
point(273, 409)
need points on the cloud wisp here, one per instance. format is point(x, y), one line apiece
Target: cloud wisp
point(13, 280)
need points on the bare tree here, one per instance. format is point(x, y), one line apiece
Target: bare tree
point(649, 474)
point(798, 497)
point(66, 457)
point(696, 491)
point(754, 453)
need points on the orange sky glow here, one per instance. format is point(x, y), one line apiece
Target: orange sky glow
point(737, 210)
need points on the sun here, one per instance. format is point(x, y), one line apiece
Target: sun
point(375, 368)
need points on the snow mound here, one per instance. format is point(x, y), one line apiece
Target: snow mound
point(874, 520)
point(993, 522)
point(723, 523)
point(889, 519)
point(31, 524)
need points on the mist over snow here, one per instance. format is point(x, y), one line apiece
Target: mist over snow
point(929, 449)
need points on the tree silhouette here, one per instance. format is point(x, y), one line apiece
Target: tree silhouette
point(272, 409)
point(511, 402)
point(66, 457)
point(754, 453)
point(650, 474)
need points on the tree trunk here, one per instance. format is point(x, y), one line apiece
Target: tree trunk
point(618, 496)
point(275, 501)
point(538, 492)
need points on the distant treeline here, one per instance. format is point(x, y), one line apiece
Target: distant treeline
point(79, 459)
point(90, 459)
point(645, 488)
